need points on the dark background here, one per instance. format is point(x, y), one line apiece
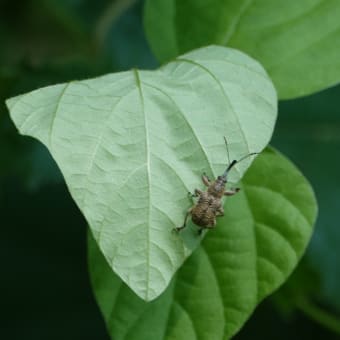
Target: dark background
point(44, 284)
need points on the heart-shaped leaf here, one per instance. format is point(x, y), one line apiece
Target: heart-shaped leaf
point(296, 41)
point(258, 243)
point(131, 145)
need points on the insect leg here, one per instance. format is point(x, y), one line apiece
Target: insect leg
point(195, 194)
point(231, 192)
point(220, 211)
point(185, 220)
point(205, 179)
point(212, 225)
point(200, 230)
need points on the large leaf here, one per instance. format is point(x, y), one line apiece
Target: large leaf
point(298, 42)
point(309, 131)
point(257, 245)
point(131, 145)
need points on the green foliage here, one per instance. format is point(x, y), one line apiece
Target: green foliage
point(309, 130)
point(296, 41)
point(254, 249)
point(131, 145)
point(52, 41)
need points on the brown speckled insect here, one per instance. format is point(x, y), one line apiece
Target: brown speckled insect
point(209, 204)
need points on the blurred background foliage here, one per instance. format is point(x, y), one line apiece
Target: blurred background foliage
point(44, 283)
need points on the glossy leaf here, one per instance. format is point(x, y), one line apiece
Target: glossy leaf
point(131, 145)
point(255, 247)
point(297, 41)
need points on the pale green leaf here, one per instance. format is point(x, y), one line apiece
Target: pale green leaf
point(131, 145)
point(256, 246)
point(298, 42)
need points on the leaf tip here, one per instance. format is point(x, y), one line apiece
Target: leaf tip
point(10, 102)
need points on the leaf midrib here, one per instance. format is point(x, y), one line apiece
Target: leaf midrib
point(148, 167)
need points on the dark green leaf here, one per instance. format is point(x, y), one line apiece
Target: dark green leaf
point(297, 41)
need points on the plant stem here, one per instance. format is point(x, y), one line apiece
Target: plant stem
point(110, 15)
point(319, 315)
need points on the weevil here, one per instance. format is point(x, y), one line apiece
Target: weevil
point(209, 204)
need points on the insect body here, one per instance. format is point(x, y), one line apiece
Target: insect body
point(209, 204)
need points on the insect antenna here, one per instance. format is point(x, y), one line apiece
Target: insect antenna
point(226, 145)
point(237, 161)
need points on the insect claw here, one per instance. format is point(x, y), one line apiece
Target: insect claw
point(175, 230)
point(178, 229)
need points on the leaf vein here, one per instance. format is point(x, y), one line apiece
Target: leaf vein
point(148, 160)
point(223, 93)
point(54, 114)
